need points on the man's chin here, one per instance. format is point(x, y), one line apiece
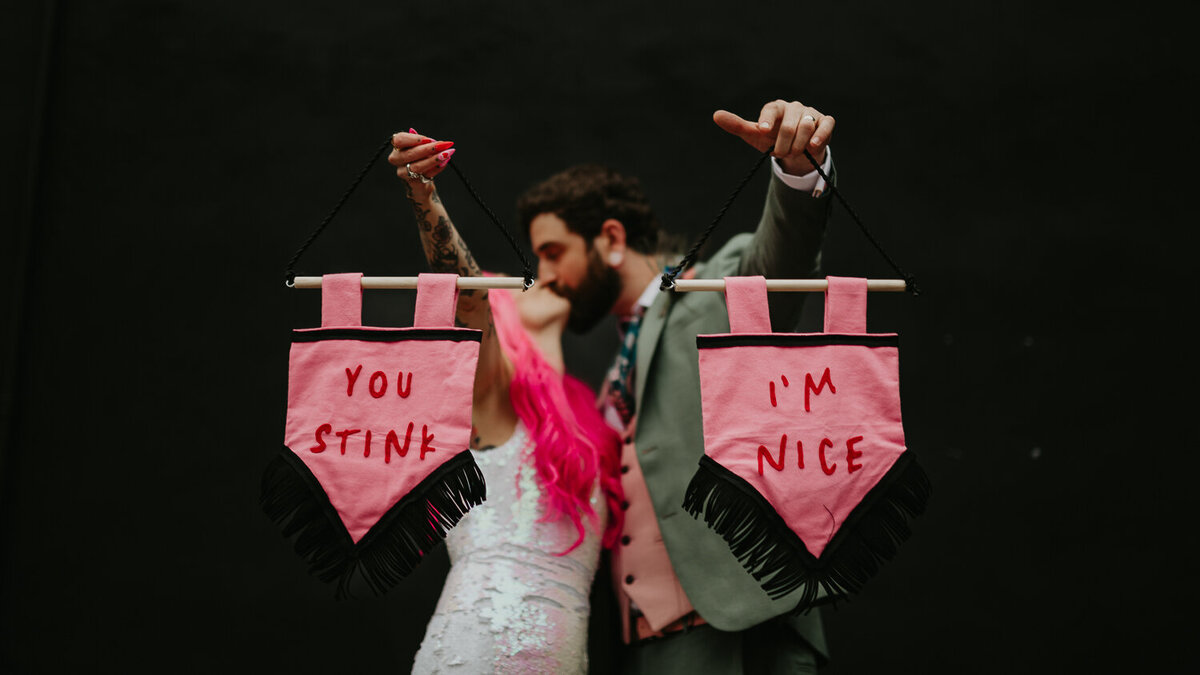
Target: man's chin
point(594, 297)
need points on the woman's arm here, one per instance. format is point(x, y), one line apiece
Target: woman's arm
point(445, 250)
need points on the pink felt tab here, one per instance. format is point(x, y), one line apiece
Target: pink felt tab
point(341, 299)
point(746, 300)
point(846, 305)
point(437, 298)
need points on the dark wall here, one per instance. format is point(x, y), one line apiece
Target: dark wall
point(168, 158)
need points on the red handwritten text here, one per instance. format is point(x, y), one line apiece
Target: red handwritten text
point(377, 384)
point(391, 442)
point(828, 465)
point(811, 388)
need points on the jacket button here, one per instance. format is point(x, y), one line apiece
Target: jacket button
point(625, 505)
point(625, 540)
point(629, 578)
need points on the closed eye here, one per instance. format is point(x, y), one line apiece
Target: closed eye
point(550, 252)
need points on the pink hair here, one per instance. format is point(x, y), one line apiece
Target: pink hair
point(573, 446)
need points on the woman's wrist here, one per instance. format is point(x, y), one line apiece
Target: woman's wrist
point(417, 191)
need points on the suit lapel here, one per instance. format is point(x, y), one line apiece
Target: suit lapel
point(647, 343)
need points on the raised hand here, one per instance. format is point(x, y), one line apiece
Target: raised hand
point(790, 126)
point(419, 159)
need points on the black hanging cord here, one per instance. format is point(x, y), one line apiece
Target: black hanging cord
point(291, 274)
point(910, 282)
point(668, 277)
point(526, 267)
point(291, 266)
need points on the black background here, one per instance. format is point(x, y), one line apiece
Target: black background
point(163, 160)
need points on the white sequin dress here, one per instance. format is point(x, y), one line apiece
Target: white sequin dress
point(510, 605)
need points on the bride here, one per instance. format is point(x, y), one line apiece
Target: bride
point(522, 563)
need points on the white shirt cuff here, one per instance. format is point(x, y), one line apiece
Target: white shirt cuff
point(810, 182)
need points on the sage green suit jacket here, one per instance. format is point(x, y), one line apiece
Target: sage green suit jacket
point(670, 439)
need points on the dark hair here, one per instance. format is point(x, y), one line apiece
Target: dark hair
point(586, 195)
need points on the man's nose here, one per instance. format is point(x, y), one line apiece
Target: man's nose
point(545, 273)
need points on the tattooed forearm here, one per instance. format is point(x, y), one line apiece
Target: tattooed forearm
point(440, 246)
point(446, 252)
point(423, 216)
point(470, 268)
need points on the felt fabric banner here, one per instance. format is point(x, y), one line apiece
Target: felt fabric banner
point(375, 466)
point(805, 471)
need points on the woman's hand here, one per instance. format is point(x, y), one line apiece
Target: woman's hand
point(419, 159)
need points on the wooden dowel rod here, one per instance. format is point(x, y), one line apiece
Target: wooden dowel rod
point(682, 285)
point(887, 285)
point(411, 282)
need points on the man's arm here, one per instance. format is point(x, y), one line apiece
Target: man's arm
point(787, 241)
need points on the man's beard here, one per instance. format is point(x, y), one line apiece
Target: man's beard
point(596, 295)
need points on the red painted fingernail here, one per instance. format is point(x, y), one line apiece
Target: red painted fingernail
point(444, 145)
point(423, 141)
point(412, 130)
point(444, 158)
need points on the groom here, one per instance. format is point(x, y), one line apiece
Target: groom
point(687, 604)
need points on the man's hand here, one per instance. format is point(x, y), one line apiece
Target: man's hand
point(790, 126)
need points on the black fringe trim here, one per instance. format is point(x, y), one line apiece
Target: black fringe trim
point(294, 500)
point(777, 557)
